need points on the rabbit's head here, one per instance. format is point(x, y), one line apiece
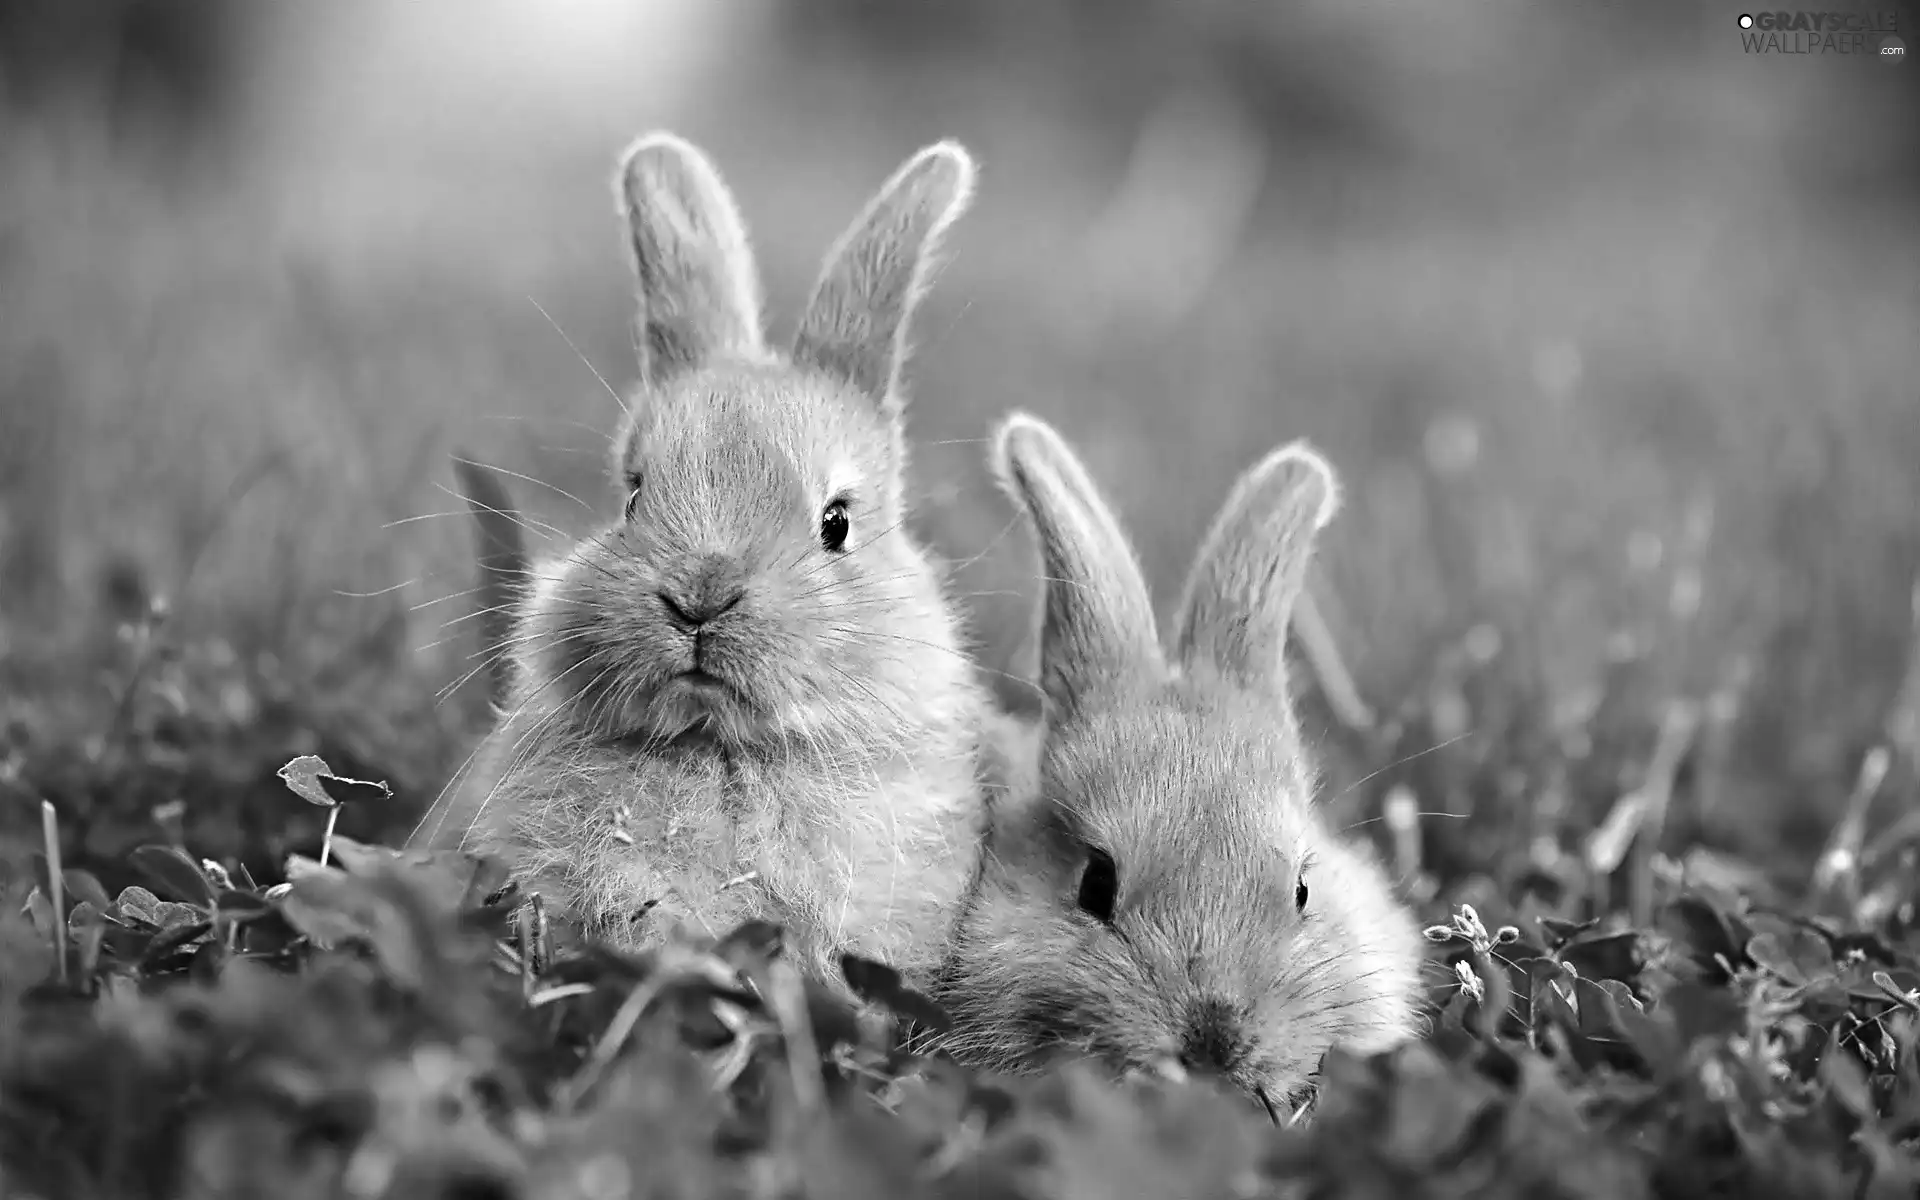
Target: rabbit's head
point(759, 580)
point(1170, 889)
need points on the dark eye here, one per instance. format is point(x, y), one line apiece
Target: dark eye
point(835, 525)
point(1300, 894)
point(633, 499)
point(1099, 886)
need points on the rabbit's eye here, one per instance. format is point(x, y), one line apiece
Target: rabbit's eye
point(1099, 886)
point(1300, 894)
point(835, 525)
point(633, 501)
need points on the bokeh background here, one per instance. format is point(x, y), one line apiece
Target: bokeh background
point(1610, 326)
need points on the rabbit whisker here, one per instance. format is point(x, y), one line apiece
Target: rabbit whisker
point(625, 410)
point(537, 482)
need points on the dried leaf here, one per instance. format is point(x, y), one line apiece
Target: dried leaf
point(309, 778)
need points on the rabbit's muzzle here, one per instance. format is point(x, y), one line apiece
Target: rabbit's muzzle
point(713, 588)
point(1213, 1038)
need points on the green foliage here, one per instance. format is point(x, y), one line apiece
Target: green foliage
point(396, 1023)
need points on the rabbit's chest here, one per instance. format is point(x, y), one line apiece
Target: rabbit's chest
point(879, 852)
point(873, 859)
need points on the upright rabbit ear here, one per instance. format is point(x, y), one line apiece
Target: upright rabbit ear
point(1240, 595)
point(855, 324)
point(699, 294)
point(1096, 618)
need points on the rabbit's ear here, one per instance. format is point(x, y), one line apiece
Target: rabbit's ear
point(1240, 595)
point(855, 324)
point(699, 292)
point(503, 567)
point(1096, 618)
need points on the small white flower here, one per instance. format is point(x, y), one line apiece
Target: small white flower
point(1469, 981)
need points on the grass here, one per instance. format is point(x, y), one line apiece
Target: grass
point(1627, 577)
point(394, 1024)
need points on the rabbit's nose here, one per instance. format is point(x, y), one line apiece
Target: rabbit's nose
point(714, 587)
point(1211, 1040)
point(694, 610)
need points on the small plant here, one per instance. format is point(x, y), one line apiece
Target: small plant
point(385, 1021)
point(312, 780)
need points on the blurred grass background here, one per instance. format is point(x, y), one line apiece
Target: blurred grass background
point(1610, 327)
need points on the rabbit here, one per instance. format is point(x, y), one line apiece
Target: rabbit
point(748, 697)
point(1169, 889)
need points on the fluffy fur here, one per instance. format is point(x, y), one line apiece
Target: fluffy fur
point(713, 712)
point(1185, 766)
